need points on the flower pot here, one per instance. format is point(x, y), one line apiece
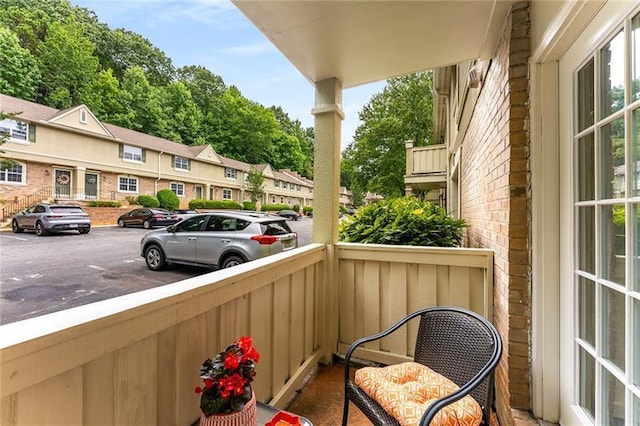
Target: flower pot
point(248, 416)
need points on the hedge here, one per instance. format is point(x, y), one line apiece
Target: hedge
point(168, 199)
point(104, 203)
point(199, 203)
point(275, 207)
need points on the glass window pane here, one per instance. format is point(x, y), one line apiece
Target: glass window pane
point(635, 153)
point(586, 167)
point(585, 96)
point(636, 410)
point(613, 160)
point(587, 382)
point(586, 239)
point(635, 248)
point(587, 310)
point(613, 337)
point(635, 57)
point(613, 243)
point(613, 400)
point(612, 76)
point(636, 342)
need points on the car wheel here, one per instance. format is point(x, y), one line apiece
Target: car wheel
point(121, 223)
point(84, 230)
point(154, 256)
point(232, 261)
point(15, 227)
point(146, 224)
point(40, 231)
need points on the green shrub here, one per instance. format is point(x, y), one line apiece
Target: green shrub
point(168, 199)
point(104, 203)
point(275, 207)
point(148, 201)
point(307, 209)
point(248, 205)
point(403, 221)
point(296, 208)
point(199, 203)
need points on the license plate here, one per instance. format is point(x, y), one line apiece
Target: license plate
point(73, 225)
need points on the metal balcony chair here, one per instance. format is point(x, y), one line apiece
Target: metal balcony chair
point(457, 343)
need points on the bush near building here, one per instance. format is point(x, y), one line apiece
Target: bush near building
point(403, 221)
point(275, 207)
point(148, 201)
point(199, 203)
point(168, 199)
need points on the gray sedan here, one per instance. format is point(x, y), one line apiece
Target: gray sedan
point(46, 218)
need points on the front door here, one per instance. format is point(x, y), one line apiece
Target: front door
point(600, 221)
point(91, 185)
point(63, 183)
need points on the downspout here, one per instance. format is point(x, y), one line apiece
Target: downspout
point(155, 184)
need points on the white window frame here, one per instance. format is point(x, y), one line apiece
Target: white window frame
point(83, 116)
point(130, 181)
point(178, 188)
point(230, 173)
point(276, 183)
point(180, 163)
point(273, 199)
point(16, 130)
point(196, 189)
point(132, 154)
point(284, 185)
point(227, 194)
point(10, 172)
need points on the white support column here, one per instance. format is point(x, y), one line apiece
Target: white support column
point(326, 189)
point(77, 184)
point(326, 176)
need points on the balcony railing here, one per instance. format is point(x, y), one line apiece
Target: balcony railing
point(135, 359)
point(427, 160)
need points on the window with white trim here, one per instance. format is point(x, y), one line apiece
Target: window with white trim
point(180, 163)
point(284, 185)
point(273, 199)
point(83, 116)
point(14, 174)
point(606, 202)
point(127, 184)
point(132, 153)
point(16, 130)
point(227, 194)
point(230, 173)
point(177, 188)
point(276, 183)
point(281, 200)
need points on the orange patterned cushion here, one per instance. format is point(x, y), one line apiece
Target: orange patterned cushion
point(406, 390)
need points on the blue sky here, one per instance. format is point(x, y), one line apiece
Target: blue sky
point(216, 35)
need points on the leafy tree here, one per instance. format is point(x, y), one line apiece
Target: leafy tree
point(182, 114)
point(143, 99)
point(375, 159)
point(67, 64)
point(295, 147)
point(19, 73)
point(255, 184)
point(121, 49)
point(104, 98)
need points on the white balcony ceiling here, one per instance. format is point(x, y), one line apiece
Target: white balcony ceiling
point(359, 42)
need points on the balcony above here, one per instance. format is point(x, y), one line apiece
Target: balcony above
point(426, 167)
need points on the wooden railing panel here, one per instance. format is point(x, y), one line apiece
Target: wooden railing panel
point(135, 359)
point(385, 283)
point(429, 160)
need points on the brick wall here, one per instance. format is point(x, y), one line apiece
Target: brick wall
point(495, 200)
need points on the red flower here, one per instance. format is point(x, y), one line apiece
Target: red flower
point(252, 354)
point(198, 389)
point(208, 383)
point(231, 362)
point(245, 343)
point(233, 383)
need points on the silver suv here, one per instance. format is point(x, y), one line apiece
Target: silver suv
point(46, 218)
point(220, 239)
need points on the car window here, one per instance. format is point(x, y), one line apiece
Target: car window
point(221, 223)
point(191, 224)
point(241, 224)
point(275, 228)
point(66, 209)
point(39, 209)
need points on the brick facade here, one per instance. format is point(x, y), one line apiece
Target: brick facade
point(495, 200)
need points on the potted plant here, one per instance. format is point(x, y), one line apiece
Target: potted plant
point(226, 397)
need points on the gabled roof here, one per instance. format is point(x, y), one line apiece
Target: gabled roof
point(29, 111)
point(235, 164)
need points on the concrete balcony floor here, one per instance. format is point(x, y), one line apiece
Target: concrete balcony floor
point(320, 400)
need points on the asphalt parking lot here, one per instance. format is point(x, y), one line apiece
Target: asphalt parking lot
point(39, 275)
